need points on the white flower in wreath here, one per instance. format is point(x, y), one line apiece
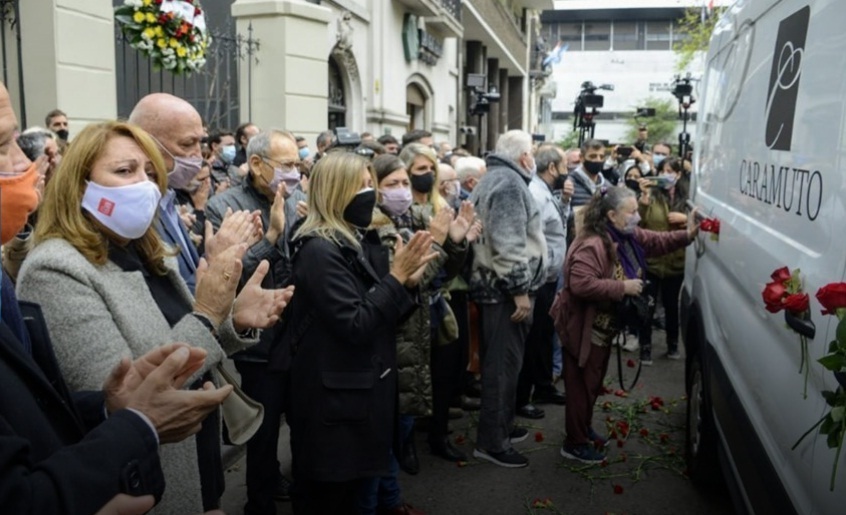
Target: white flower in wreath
point(134, 3)
point(167, 51)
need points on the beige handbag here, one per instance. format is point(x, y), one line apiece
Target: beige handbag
point(242, 414)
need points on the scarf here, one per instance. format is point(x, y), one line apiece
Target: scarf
point(629, 253)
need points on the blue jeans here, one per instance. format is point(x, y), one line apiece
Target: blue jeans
point(557, 356)
point(385, 491)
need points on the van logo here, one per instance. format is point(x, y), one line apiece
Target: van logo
point(784, 79)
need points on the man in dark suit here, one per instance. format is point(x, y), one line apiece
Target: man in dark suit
point(69, 454)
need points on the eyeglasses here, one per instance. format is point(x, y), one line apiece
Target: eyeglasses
point(286, 165)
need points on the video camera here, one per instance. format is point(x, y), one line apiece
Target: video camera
point(585, 108)
point(346, 139)
point(481, 102)
point(683, 90)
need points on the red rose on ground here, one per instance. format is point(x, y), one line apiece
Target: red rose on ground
point(630, 363)
point(832, 296)
point(796, 303)
point(618, 489)
point(459, 439)
point(664, 437)
point(644, 432)
point(621, 443)
point(772, 294)
point(538, 436)
point(781, 275)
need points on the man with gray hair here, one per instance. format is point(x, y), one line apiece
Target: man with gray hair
point(38, 141)
point(509, 265)
point(273, 159)
point(470, 170)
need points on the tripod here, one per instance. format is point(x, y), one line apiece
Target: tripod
point(584, 122)
point(684, 136)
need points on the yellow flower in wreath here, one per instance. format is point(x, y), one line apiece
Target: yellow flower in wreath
point(150, 32)
point(181, 52)
point(151, 18)
point(161, 43)
point(138, 17)
point(148, 2)
point(174, 43)
point(159, 31)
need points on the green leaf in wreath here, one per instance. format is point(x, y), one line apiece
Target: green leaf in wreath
point(833, 362)
point(837, 413)
point(833, 346)
point(124, 19)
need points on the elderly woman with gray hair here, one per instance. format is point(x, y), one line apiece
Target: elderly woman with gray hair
point(605, 263)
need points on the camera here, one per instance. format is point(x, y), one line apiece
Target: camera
point(683, 90)
point(585, 111)
point(481, 101)
point(344, 138)
point(466, 129)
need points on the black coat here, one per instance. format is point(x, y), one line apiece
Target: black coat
point(57, 453)
point(342, 333)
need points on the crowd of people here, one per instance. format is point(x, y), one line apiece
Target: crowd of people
point(362, 289)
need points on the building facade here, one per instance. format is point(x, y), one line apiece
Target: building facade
point(380, 66)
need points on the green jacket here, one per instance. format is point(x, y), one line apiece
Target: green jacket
point(414, 333)
point(654, 217)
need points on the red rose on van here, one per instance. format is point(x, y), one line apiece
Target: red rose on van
point(832, 297)
point(796, 303)
point(781, 275)
point(773, 294)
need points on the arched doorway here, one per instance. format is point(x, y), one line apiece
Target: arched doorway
point(337, 97)
point(415, 107)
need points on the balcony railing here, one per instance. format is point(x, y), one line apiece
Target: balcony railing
point(453, 7)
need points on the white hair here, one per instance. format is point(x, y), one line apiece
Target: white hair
point(469, 167)
point(260, 143)
point(513, 144)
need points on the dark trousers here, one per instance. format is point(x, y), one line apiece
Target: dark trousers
point(583, 386)
point(269, 389)
point(325, 498)
point(537, 358)
point(669, 288)
point(458, 301)
point(501, 352)
point(209, 458)
point(446, 369)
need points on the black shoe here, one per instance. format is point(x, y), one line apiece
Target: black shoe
point(509, 458)
point(408, 460)
point(530, 411)
point(553, 397)
point(518, 434)
point(282, 490)
point(444, 449)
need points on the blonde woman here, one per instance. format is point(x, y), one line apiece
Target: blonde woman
point(341, 337)
point(110, 288)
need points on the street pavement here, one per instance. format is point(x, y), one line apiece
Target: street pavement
point(644, 473)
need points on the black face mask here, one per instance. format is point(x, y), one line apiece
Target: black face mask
point(558, 184)
point(423, 183)
point(593, 167)
point(633, 185)
point(62, 134)
point(359, 212)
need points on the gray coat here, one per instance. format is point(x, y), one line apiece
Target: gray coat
point(510, 257)
point(99, 314)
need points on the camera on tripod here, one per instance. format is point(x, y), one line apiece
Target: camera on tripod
point(683, 90)
point(481, 102)
point(583, 120)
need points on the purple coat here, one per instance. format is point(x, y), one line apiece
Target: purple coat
point(588, 276)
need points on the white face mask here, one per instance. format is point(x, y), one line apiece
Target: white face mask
point(127, 211)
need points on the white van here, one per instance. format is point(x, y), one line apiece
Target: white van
point(770, 165)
